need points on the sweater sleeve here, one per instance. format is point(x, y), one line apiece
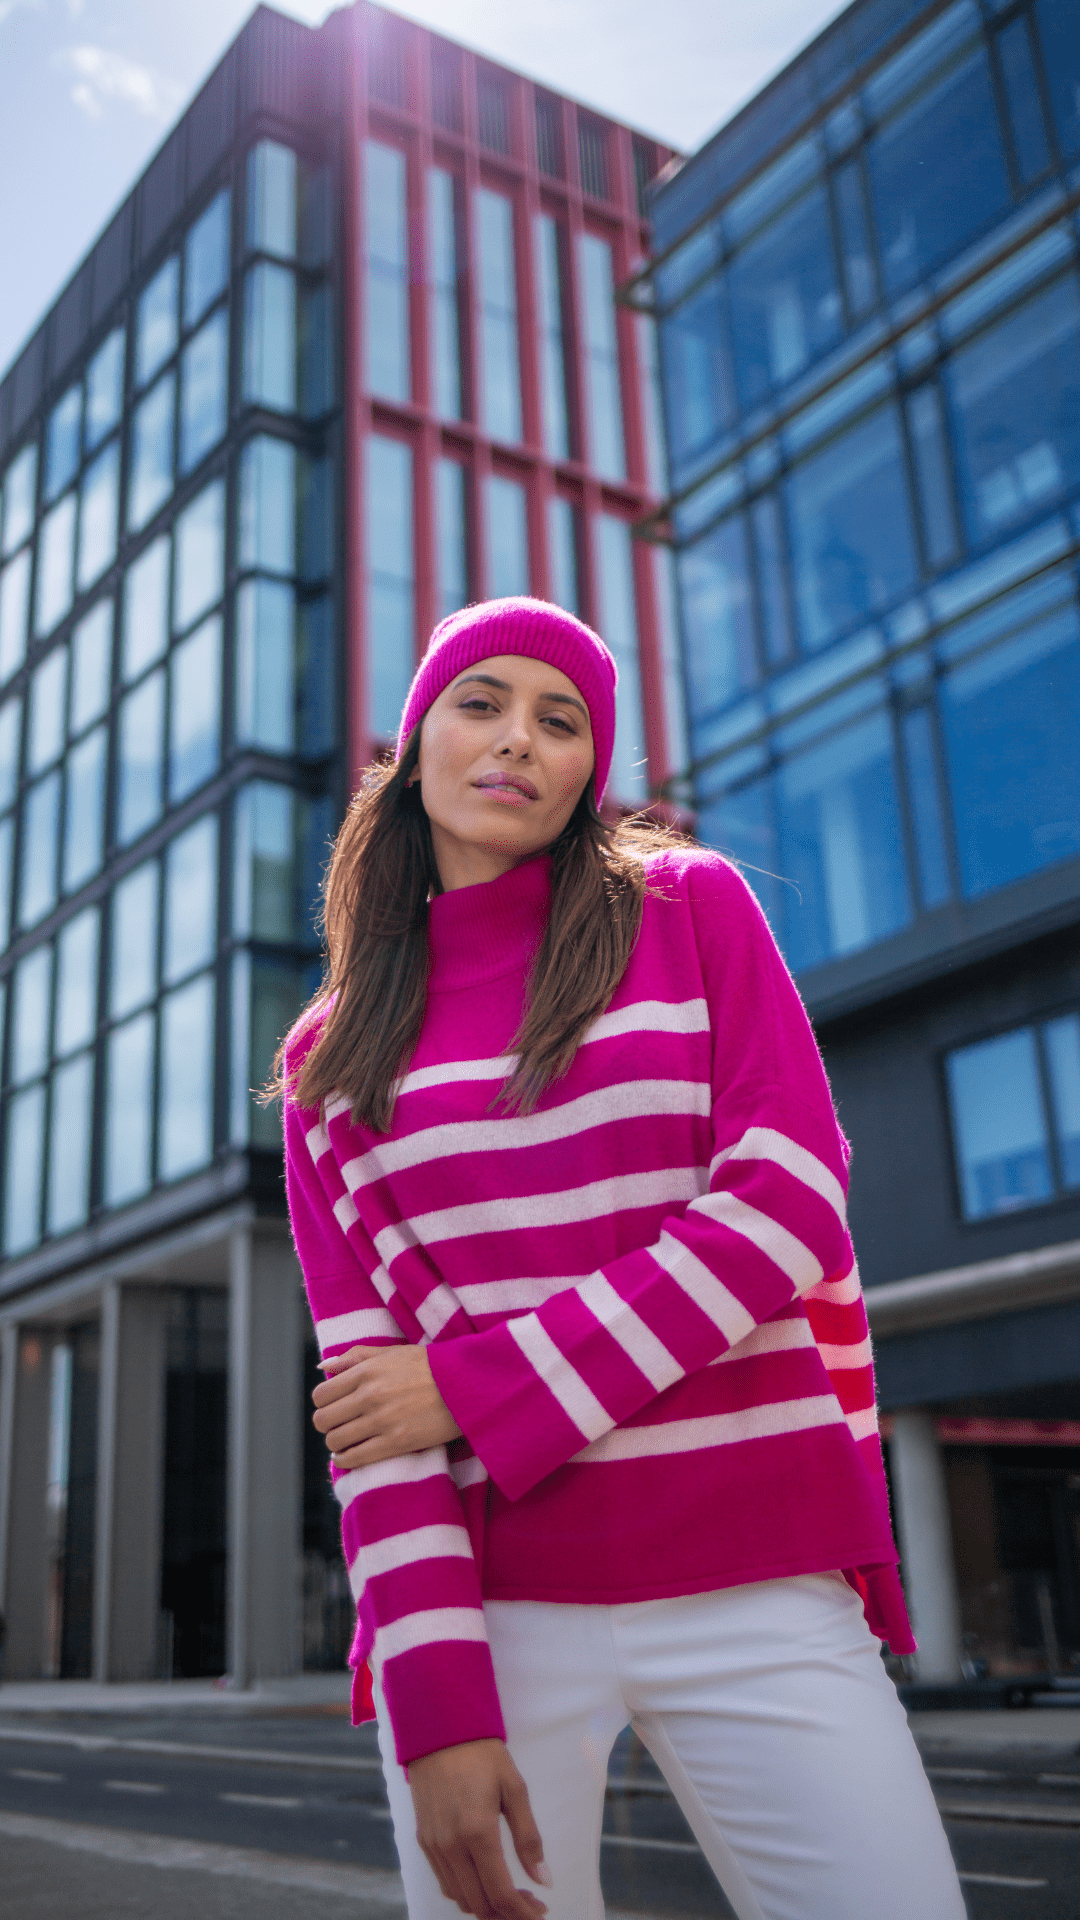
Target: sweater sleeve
point(406, 1543)
point(769, 1224)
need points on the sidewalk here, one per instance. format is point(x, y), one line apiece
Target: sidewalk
point(1008, 1730)
point(298, 1693)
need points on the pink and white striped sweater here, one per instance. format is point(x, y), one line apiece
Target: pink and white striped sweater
point(641, 1300)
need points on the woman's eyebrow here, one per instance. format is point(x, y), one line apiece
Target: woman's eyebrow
point(503, 686)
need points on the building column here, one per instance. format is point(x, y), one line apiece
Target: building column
point(926, 1543)
point(25, 1407)
point(130, 1483)
point(265, 1473)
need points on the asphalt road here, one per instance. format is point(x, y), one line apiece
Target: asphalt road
point(195, 1817)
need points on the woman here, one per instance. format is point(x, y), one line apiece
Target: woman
point(568, 1192)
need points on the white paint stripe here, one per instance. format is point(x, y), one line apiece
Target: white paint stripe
point(426, 1629)
point(133, 1786)
point(765, 1143)
point(443, 1542)
point(699, 1282)
point(404, 1471)
point(277, 1800)
point(514, 1296)
point(365, 1323)
point(643, 1016)
point(620, 1193)
point(637, 1340)
point(857, 1354)
point(771, 1239)
point(468, 1473)
point(576, 1399)
point(345, 1212)
point(713, 1430)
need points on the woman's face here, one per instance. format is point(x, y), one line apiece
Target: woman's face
point(506, 752)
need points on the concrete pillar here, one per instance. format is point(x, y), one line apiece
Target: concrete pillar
point(25, 1397)
point(130, 1483)
point(265, 1456)
point(926, 1543)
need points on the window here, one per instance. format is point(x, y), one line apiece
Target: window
point(451, 534)
point(785, 299)
point(937, 516)
point(91, 666)
point(607, 450)
point(266, 998)
point(268, 505)
point(443, 281)
point(56, 553)
point(671, 667)
point(7, 837)
point(1015, 1108)
point(852, 542)
point(507, 537)
point(386, 322)
point(84, 809)
point(104, 390)
point(315, 338)
point(76, 982)
point(146, 608)
point(696, 380)
point(266, 666)
point(19, 484)
point(266, 866)
point(46, 731)
point(204, 384)
point(652, 406)
point(860, 280)
point(150, 478)
point(1015, 394)
point(14, 606)
point(927, 815)
point(500, 381)
point(1025, 108)
point(552, 329)
point(62, 443)
point(156, 327)
point(617, 621)
point(69, 1144)
point(133, 946)
point(195, 709)
point(129, 1073)
point(563, 566)
point(191, 888)
point(592, 155)
point(271, 199)
point(40, 824)
point(139, 758)
point(22, 1187)
point(1059, 30)
point(718, 627)
point(391, 617)
point(10, 720)
point(772, 575)
point(206, 259)
point(185, 1139)
point(199, 569)
point(98, 515)
point(270, 337)
point(30, 1015)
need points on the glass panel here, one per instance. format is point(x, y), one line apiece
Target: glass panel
point(785, 299)
point(266, 666)
point(652, 405)
point(199, 575)
point(318, 698)
point(156, 328)
point(69, 1144)
point(1059, 31)
point(62, 442)
point(696, 380)
point(840, 843)
point(937, 172)
point(10, 718)
point(268, 505)
point(138, 771)
point(76, 982)
point(618, 626)
point(925, 798)
point(146, 608)
point(452, 554)
point(671, 666)
point(687, 264)
point(98, 515)
point(187, 1079)
point(859, 277)
point(315, 325)
point(1025, 107)
point(500, 381)
point(771, 190)
point(133, 947)
point(552, 328)
point(56, 552)
point(563, 553)
point(30, 1015)
point(999, 1125)
point(271, 199)
point(85, 808)
point(443, 281)
point(386, 328)
point(851, 535)
point(317, 531)
point(104, 389)
point(600, 354)
point(391, 611)
point(264, 876)
point(22, 1188)
point(920, 58)
point(270, 337)
point(19, 485)
point(195, 709)
point(927, 427)
point(150, 478)
point(46, 732)
point(91, 666)
point(129, 1115)
point(507, 537)
point(718, 623)
point(206, 258)
point(772, 577)
point(1015, 394)
point(1009, 727)
point(276, 996)
point(7, 842)
point(14, 605)
point(191, 888)
point(1062, 1038)
point(204, 390)
point(41, 818)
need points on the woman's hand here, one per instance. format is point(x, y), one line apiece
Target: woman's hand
point(378, 1402)
point(458, 1794)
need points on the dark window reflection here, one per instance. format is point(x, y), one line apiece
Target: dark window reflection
point(850, 522)
point(785, 298)
point(695, 378)
point(1059, 30)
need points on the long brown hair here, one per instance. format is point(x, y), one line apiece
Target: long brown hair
point(374, 917)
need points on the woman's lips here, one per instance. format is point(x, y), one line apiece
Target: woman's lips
point(509, 791)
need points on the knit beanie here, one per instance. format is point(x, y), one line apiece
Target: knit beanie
point(540, 632)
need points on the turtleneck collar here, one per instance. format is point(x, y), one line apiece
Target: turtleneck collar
point(478, 933)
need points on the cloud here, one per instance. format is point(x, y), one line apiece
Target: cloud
point(102, 77)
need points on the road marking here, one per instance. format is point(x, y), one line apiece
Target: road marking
point(959, 1773)
point(133, 1786)
point(999, 1880)
point(1059, 1779)
point(32, 1773)
point(260, 1800)
point(257, 1756)
point(656, 1846)
point(1025, 1813)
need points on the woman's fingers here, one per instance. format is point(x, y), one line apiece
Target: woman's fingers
point(524, 1831)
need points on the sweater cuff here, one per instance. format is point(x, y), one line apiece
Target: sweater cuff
point(441, 1695)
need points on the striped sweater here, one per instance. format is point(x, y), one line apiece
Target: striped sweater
point(640, 1301)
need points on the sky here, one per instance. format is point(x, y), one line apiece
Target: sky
point(89, 88)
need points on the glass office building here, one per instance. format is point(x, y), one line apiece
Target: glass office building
point(346, 359)
point(868, 294)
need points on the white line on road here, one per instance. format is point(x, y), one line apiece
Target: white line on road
point(958, 1773)
point(260, 1800)
point(999, 1880)
point(1059, 1779)
point(133, 1786)
point(32, 1773)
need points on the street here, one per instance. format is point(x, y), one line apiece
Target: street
point(199, 1814)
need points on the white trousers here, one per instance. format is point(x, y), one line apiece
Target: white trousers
point(768, 1711)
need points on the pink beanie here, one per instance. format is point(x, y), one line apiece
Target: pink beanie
point(541, 632)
